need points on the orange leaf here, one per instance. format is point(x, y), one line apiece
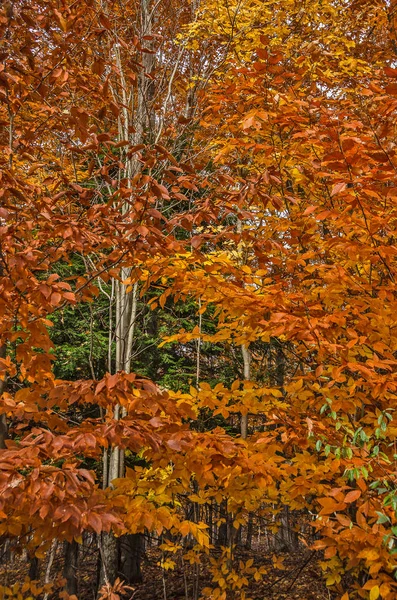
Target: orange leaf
point(352, 496)
point(338, 187)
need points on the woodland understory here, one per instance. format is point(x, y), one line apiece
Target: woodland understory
point(198, 299)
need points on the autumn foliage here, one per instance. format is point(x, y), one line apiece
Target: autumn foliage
point(236, 162)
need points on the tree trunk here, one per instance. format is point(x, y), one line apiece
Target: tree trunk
point(108, 546)
point(3, 418)
point(210, 523)
point(246, 362)
point(136, 123)
point(50, 561)
point(131, 548)
point(286, 538)
point(250, 529)
point(34, 568)
point(108, 559)
point(221, 539)
point(247, 376)
point(70, 567)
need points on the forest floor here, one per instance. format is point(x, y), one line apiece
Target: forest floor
point(292, 576)
point(300, 578)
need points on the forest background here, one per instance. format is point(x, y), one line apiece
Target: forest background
point(198, 297)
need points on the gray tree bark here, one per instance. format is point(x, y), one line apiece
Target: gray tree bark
point(122, 557)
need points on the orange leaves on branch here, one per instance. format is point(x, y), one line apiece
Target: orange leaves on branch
point(285, 242)
point(115, 591)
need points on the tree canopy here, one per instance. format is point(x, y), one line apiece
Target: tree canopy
point(198, 289)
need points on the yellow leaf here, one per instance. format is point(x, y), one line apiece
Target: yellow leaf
point(374, 593)
point(184, 528)
point(369, 554)
point(249, 563)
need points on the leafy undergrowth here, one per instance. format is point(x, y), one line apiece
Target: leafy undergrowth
point(289, 576)
point(298, 578)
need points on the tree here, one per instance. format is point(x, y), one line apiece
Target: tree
point(250, 179)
